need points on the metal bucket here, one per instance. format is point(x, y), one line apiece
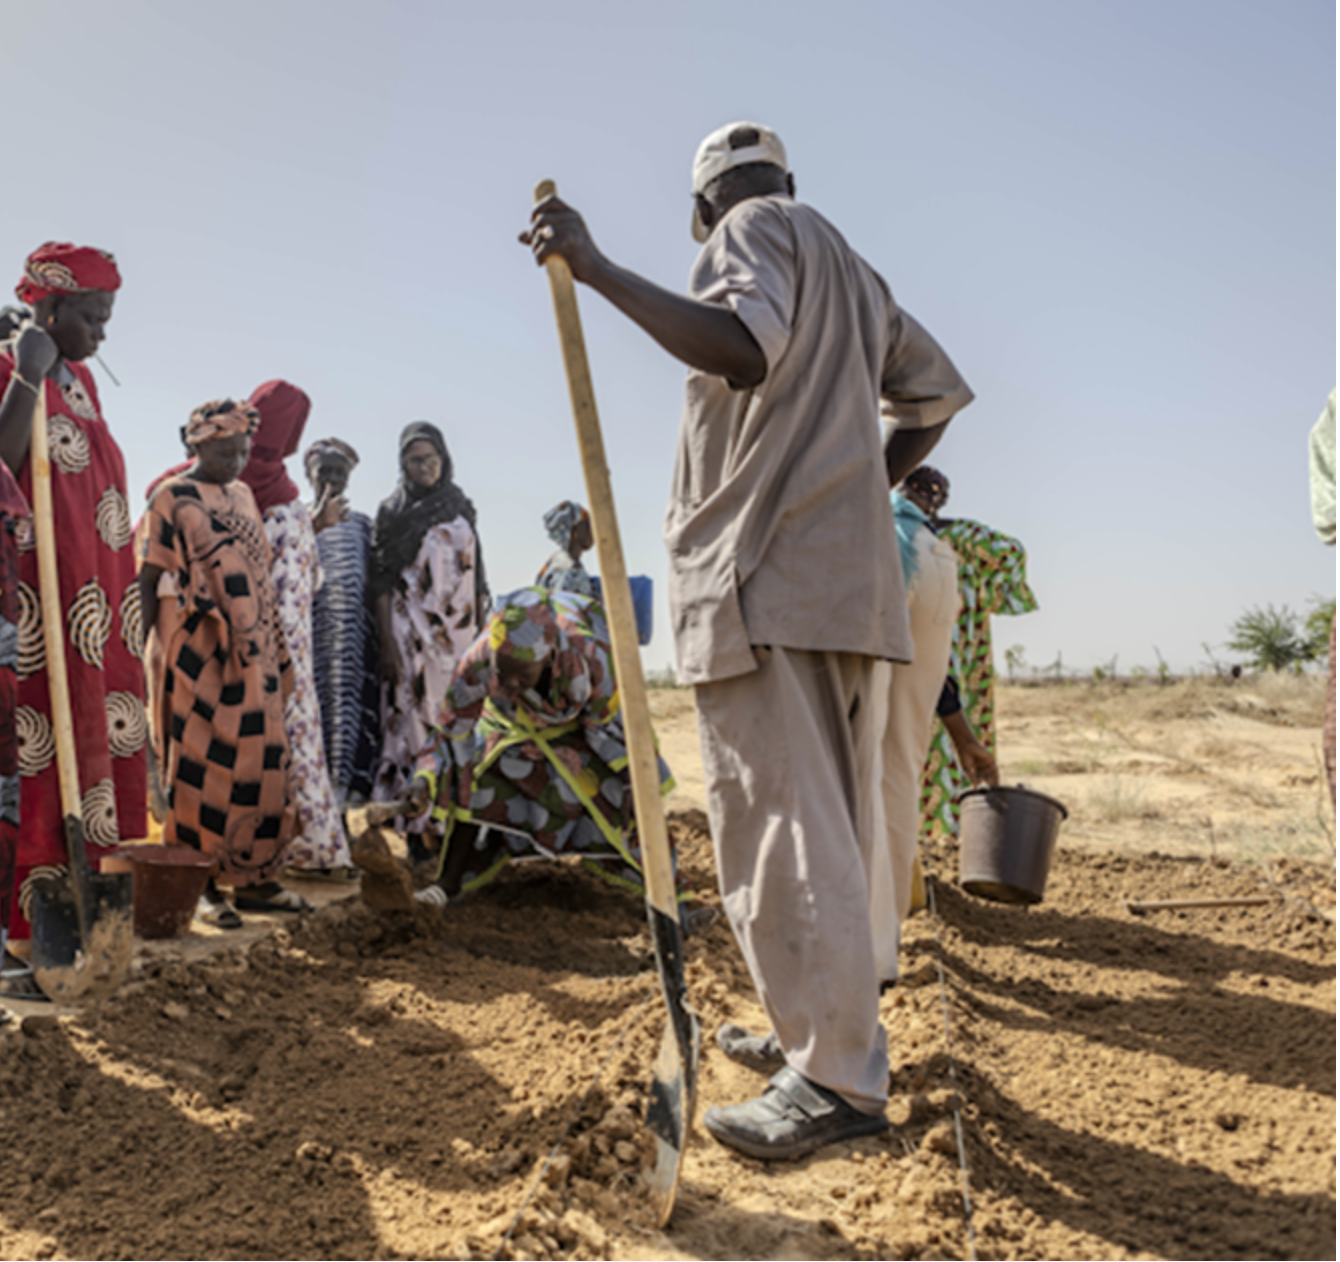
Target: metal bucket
point(1005, 844)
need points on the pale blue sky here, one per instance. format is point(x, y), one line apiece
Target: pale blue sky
point(1119, 219)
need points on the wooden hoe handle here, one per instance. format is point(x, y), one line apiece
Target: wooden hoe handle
point(48, 586)
point(58, 681)
point(674, 1081)
point(616, 594)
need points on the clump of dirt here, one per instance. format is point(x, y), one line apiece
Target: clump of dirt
point(394, 1086)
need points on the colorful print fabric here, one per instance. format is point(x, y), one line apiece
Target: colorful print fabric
point(433, 622)
point(992, 580)
point(563, 574)
point(100, 601)
point(13, 515)
point(320, 843)
point(219, 708)
point(548, 770)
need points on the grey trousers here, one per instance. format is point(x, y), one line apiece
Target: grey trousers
point(788, 753)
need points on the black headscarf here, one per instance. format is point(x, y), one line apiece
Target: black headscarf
point(411, 511)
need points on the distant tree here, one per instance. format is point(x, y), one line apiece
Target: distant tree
point(1317, 628)
point(1273, 639)
point(1014, 659)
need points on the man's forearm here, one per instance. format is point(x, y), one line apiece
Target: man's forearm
point(905, 449)
point(710, 338)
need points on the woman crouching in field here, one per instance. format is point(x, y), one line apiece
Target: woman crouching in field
point(218, 701)
point(529, 755)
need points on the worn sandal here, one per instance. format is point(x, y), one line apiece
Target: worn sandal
point(217, 913)
point(336, 876)
point(792, 1118)
point(17, 981)
point(270, 897)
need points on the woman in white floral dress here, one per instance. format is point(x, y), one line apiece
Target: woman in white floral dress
point(320, 846)
point(427, 579)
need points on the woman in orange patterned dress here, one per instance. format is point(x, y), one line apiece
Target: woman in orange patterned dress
point(219, 707)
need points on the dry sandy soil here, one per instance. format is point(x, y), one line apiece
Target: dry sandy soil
point(358, 1085)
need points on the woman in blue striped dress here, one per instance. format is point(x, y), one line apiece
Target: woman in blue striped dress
point(343, 630)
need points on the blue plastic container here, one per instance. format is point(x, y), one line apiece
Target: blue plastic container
point(643, 603)
point(642, 606)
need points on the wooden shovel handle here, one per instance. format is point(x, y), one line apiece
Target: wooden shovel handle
point(617, 597)
point(53, 619)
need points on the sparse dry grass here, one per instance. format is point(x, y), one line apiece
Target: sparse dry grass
point(1117, 799)
point(1286, 700)
point(1299, 698)
point(1214, 747)
point(1295, 835)
point(1164, 767)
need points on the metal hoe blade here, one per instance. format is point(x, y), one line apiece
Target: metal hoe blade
point(674, 1084)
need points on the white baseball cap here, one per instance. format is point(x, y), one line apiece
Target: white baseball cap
point(731, 146)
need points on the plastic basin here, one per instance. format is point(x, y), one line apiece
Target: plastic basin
point(168, 880)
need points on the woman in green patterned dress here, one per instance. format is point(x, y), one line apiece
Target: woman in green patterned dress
point(530, 743)
point(991, 581)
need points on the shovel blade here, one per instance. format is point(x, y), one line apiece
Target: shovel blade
point(674, 1083)
point(669, 1116)
point(67, 969)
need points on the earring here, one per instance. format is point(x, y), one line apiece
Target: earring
point(51, 319)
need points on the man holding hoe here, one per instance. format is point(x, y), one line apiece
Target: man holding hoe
point(785, 589)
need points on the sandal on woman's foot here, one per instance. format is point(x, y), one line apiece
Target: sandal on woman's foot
point(217, 913)
point(270, 897)
point(18, 982)
point(336, 876)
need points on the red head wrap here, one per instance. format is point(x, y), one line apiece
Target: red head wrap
point(283, 410)
point(61, 268)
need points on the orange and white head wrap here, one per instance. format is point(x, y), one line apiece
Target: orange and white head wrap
point(222, 418)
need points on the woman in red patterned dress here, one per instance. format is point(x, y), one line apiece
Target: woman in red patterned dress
point(71, 291)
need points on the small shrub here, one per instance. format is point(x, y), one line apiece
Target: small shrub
point(1272, 639)
point(1317, 628)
